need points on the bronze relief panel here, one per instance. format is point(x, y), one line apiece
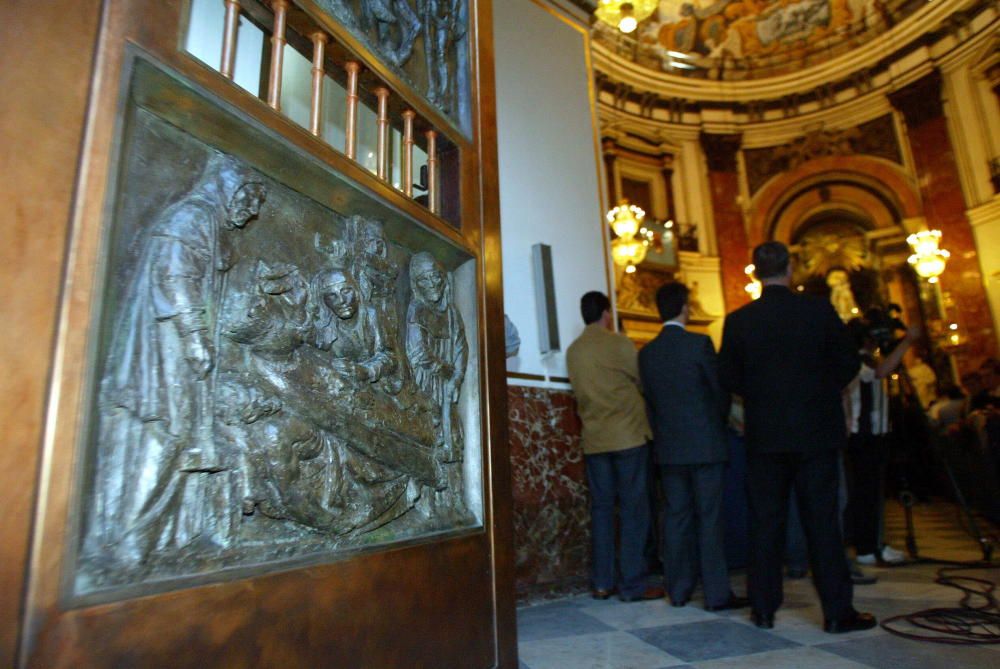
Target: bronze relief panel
point(274, 380)
point(425, 41)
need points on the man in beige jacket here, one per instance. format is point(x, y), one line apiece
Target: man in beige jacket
point(604, 372)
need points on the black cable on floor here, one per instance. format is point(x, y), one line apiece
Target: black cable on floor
point(976, 621)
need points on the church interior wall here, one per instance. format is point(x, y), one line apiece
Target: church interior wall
point(550, 180)
point(551, 192)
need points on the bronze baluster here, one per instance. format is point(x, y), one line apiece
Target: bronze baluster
point(382, 145)
point(228, 65)
point(277, 54)
point(319, 40)
point(432, 172)
point(351, 131)
point(408, 117)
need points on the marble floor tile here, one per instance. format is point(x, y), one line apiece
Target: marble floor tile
point(917, 589)
point(611, 650)
point(582, 632)
point(647, 614)
point(556, 620)
point(891, 652)
point(790, 658)
point(711, 639)
point(805, 626)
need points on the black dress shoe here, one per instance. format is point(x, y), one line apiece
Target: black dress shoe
point(765, 621)
point(678, 603)
point(601, 593)
point(855, 622)
point(733, 602)
point(652, 592)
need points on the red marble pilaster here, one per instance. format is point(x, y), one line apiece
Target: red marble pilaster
point(944, 209)
point(551, 503)
point(730, 233)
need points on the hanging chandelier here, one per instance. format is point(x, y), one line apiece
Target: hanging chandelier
point(928, 261)
point(625, 15)
point(632, 240)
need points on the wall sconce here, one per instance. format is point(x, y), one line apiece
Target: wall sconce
point(625, 15)
point(754, 287)
point(632, 239)
point(928, 261)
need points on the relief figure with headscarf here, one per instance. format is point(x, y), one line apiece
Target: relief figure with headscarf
point(159, 484)
point(436, 347)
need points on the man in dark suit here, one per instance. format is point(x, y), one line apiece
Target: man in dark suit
point(790, 356)
point(688, 409)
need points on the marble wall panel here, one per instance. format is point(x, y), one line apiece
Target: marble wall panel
point(731, 235)
point(944, 208)
point(551, 502)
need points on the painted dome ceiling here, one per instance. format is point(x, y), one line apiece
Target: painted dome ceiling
point(751, 39)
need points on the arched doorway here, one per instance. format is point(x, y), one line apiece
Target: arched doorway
point(846, 220)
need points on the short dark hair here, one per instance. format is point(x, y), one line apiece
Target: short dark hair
point(770, 259)
point(670, 299)
point(593, 305)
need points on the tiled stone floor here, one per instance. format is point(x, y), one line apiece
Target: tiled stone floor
point(582, 633)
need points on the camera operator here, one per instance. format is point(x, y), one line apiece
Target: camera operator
point(867, 410)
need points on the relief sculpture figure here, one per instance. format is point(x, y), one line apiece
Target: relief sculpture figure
point(159, 484)
point(351, 333)
point(287, 410)
point(376, 275)
point(444, 27)
point(395, 25)
point(436, 347)
point(340, 10)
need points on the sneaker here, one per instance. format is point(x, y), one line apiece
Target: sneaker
point(869, 560)
point(891, 556)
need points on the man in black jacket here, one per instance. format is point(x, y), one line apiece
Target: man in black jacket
point(687, 410)
point(789, 356)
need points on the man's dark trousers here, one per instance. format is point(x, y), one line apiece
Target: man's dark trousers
point(814, 476)
point(623, 474)
point(702, 485)
point(687, 409)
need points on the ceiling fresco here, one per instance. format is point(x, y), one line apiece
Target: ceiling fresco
point(759, 27)
point(685, 36)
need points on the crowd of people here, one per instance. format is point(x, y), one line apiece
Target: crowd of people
point(813, 398)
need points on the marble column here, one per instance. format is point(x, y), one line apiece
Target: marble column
point(730, 232)
point(944, 209)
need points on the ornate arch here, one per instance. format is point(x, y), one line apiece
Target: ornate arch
point(881, 178)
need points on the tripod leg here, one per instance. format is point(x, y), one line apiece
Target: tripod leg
point(984, 543)
point(907, 499)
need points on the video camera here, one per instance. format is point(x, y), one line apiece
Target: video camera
point(883, 326)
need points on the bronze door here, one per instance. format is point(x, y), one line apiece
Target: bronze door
point(275, 422)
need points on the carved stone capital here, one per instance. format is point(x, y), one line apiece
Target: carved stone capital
point(720, 150)
point(920, 101)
